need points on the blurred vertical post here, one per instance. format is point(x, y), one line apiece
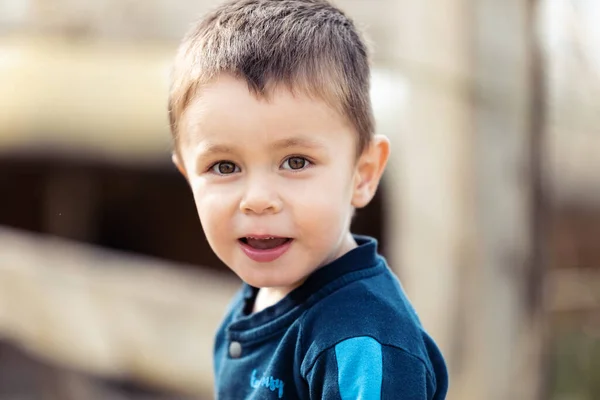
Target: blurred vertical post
point(467, 178)
point(429, 182)
point(507, 346)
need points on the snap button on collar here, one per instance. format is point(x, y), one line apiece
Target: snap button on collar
point(235, 350)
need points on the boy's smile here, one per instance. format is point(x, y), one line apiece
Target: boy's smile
point(265, 248)
point(275, 181)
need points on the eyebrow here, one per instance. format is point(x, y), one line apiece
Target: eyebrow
point(282, 144)
point(297, 141)
point(217, 149)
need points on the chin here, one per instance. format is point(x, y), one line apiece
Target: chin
point(266, 282)
point(263, 280)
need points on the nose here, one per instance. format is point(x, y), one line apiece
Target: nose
point(260, 197)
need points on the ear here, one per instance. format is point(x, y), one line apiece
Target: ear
point(369, 168)
point(179, 164)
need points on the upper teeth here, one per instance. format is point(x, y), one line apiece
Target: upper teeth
point(263, 238)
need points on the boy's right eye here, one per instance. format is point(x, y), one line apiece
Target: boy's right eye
point(224, 168)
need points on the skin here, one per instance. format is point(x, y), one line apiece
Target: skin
point(285, 167)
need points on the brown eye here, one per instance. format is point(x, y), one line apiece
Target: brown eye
point(224, 168)
point(295, 163)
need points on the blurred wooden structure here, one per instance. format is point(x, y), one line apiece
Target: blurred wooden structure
point(111, 315)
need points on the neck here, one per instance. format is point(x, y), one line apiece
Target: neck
point(270, 296)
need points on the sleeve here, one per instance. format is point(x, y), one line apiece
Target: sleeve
point(360, 368)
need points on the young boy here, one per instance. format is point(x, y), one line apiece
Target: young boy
point(274, 132)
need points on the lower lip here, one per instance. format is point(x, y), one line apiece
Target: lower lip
point(265, 256)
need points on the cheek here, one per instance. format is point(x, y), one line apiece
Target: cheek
point(324, 203)
point(212, 209)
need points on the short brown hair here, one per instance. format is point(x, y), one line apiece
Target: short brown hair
point(307, 45)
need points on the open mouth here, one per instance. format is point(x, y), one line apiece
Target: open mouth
point(265, 248)
point(265, 243)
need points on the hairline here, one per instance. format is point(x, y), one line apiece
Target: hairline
point(194, 91)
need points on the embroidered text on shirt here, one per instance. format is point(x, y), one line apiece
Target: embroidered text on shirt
point(268, 382)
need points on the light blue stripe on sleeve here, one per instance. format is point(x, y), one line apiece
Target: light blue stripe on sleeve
point(360, 368)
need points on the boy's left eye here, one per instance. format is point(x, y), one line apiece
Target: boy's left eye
point(295, 163)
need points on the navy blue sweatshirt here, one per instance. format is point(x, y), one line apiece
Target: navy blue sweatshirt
point(348, 332)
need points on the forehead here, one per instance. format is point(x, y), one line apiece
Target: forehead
point(226, 108)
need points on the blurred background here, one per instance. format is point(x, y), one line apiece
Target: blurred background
point(489, 211)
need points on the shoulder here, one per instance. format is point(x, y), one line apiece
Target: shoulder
point(361, 367)
point(369, 334)
point(374, 306)
point(372, 313)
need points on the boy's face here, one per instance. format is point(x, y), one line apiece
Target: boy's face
point(275, 182)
